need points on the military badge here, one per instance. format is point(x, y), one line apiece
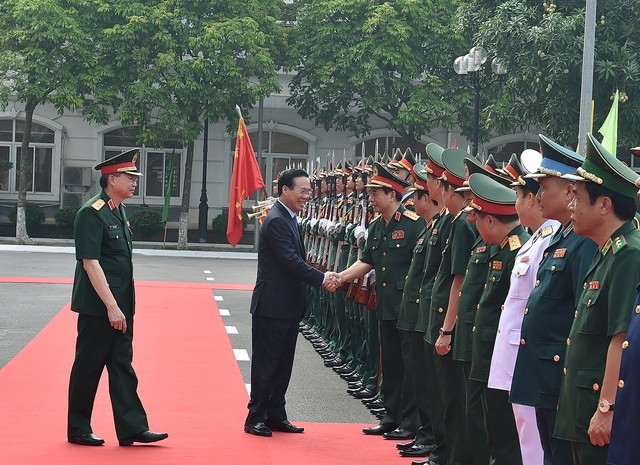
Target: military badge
point(397, 234)
point(481, 249)
point(594, 285)
point(560, 253)
point(524, 259)
point(397, 216)
point(619, 243)
point(496, 265)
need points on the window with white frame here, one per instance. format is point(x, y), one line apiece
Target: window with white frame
point(41, 145)
point(154, 163)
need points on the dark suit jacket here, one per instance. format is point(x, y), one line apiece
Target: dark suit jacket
point(282, 270)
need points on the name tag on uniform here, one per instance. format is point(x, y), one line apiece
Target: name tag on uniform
point(496, 265)
point(560, 253)
point(594, 285)
point(113, 227)
point(398, 234)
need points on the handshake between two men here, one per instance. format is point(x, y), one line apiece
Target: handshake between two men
point(332, 281)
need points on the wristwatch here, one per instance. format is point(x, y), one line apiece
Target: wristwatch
point(444, 332)
point(604, 406)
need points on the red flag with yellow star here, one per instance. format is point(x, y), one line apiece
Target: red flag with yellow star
point(245, 180)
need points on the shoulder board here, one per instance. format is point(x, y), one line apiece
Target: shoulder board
point(411, 215)
point(514, 242)
point(98, 204)
point(546, 231)
point(619, 243)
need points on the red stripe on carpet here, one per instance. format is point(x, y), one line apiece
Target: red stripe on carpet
point(174, 284)
point(190, 385)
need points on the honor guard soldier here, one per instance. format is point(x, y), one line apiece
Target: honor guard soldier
point(497, 222)
point(389, 248)
point(444, 309)
point(604, 208)
point(523, 276)
point(424, 441)
point(470, 291)
point(103, 297)
point(551, 306)
point(404, 170)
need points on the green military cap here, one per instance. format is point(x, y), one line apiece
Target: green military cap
point(394, 163)
point(434, 164)
point(601, 167)
point(491, 197)
point(472, 165)
point(421, 178)
point(453, 162)
point(122, 163)
point(368, 166)
point(517, 169)
point(382, 177)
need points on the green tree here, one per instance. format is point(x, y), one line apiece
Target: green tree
point(541, 43)
point(358, 59)
point(194, 59)
point(49, 53)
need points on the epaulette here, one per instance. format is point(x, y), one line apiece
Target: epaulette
point(619, 243)
point(548, 230)
point(514, 242)
point(98, 204)
point(411, 215)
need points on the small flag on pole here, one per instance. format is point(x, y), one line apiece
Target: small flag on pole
point(609, 129)
point(245, 179)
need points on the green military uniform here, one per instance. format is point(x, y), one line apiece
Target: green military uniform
point(407, 319)
point(102, 233)
point(604, 310)
point(389, 250)
point(450, 372)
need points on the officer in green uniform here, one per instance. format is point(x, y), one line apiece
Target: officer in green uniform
point(551, 306)
point(603, 210)
point(444, 310)
point(103, 296)
point(436, 242)
point(497, 222)
point(424, 441)
point(389, 248)
point(470, 291)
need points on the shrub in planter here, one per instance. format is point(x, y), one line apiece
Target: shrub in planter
point(219, 224)
point(66, 216)
point(35, 214)
point(145, 223)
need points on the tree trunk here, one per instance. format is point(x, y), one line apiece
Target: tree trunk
point(22, 237)
point(183, 222)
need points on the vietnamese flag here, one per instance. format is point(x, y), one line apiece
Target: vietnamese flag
point(245, 180)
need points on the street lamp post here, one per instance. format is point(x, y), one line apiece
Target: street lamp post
point(471, 65)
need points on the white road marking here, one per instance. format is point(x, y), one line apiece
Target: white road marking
point(224, 312)
point(248, 387)
point(241, 355)
point(231, 329)
point(218, 298)
point(207, 271)
point(211, 278)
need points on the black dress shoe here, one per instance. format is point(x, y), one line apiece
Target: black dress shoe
point(336, 362)
point(145, 437)
point(399, 433)
point(353, 378)
point(88, 439)
point(364, 394)
point(285, 427)
point(405, 445)
point(259, 429)
point(418, 450)
point(424, 462)
point(377, 430)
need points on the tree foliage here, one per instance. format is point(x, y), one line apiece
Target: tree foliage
point(191, 60)
point(359, 59)
point(541, 42)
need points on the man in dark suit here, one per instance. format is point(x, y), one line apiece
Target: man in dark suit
point(278, 304)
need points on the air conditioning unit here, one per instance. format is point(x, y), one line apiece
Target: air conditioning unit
point(73, 176)
point(72, 199)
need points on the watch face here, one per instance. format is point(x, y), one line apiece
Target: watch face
point(604, 407)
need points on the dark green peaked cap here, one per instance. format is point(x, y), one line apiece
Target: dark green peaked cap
point(490, 196)
point(603, 168)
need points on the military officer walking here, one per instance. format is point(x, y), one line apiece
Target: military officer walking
point(103, 296)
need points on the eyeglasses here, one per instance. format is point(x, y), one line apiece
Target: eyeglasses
point(131, 179)
point(303, 192)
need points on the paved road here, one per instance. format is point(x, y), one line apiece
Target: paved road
point(316, 393)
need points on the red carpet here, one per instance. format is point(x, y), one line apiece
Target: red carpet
point(190, 384)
